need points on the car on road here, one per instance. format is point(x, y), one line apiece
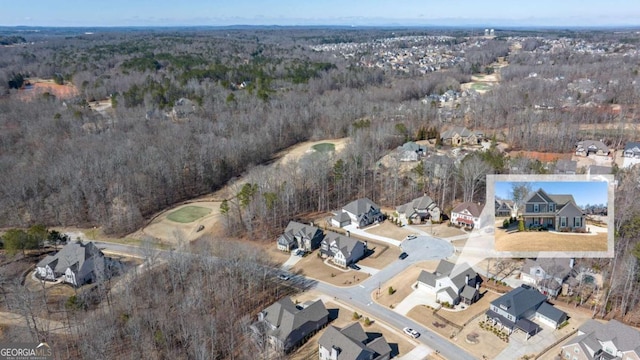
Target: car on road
point(409, 331)
point(299, 252)
point(403, 256)
point(354, 266)
point(410, 237)
point(284, 277)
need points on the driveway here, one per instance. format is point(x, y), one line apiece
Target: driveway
point(417, 297)
point(354, 230)
point(419, 352)
point(292, 260)
point(518, 346)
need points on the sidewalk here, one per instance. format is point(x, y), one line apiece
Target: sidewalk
point(353, 230)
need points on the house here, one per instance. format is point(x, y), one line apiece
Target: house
point(506, 208)
point(344, 250)
point(410, 151)
point(547, 274)
point(361, 212)
point(419, 209)
point(459, 136)
point(450, 284)
point(587, 147)
point(77, 263)
point(554, 211)
point(285, 325)
point(300, 236)
point(467, 214)
point(632, 150)
point(599, 170)
point(439, 166)
point(564, 166)
point(352, 343)
point(517, 309)
point(603, 341)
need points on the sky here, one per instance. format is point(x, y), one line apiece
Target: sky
point(584, 192)
point(487, 13)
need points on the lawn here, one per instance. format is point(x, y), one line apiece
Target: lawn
point(383, 255)
point(402, 282)
point(188, 214)
point(480, 86)
point(324, 147)
point(313, 266)
point(548, 241)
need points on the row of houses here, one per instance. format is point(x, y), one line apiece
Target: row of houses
point(284, 326)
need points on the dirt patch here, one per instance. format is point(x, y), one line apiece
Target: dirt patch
point(387, 229)
point(541, 156)
point(38, 87)
point(402, 283)
point(383, 255)
point(548, 241)
point(294, 153)
point(313, 266)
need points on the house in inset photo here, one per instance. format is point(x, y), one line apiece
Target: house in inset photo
point(553, 212)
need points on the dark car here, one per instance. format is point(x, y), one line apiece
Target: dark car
point(403, 256)
point(354, 266)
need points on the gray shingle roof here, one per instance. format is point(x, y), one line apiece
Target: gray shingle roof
point(519, 300)
point(462, 131)
point(428, 278)
point(346, 244)
point(563, 165)
point(285, 317)
point(445, 267)
point(557, 267)
point(78, 256)
point(352, 342)
point(360, 206)
point(468, 292)
point(547, 310)
point(624, 337)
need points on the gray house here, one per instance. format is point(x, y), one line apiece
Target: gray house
point(517, 309)
point(78, 263)
point(603, 341)
point(459, 136)
point(554, 211)
point(361, 212)
point(506, 208)
point(451, 285)
point(352, 343)
point(342, 249)
point(410, 151)
point(547, 274)
point(566, 167)
point(285, 325)
point(300, 236)
point(588, 147)
point(632, 150)
point(419, 209)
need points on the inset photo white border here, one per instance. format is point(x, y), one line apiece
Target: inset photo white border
point(552, 233)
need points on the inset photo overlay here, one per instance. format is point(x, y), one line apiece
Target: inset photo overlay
point(564, 215)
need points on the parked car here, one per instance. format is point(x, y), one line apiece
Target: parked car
point(403, 256)
point(284, 277)
point(299, 252)
point(409, 331)
point(410, 237)
point(354, 266)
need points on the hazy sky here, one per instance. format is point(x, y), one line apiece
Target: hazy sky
point(319, 12)
point(585, 192)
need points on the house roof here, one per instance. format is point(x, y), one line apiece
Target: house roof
point(412, 146)
point(422, 203)
point(285, 317)
point(352, 342)
point(296, 228)
point(462, 131)
point(341, 217)
point(360, 206)
point(444, 267)
point(428, 278)
point(595, 144)
point(468, 292)
point(550, 312)
point(519, 300)
point(632, 146)
point(563, 165)
point(556, 267)
point(77, 256)
point(346, 244)
point(474, 208)
point(623, 336)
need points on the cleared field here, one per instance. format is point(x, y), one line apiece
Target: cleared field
point(547, 241)
point(324, 147)
point(188, 214)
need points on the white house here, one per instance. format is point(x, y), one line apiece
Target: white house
point(467, 215)
point(450, 284)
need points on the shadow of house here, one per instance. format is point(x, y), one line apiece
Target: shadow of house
point(352, 343)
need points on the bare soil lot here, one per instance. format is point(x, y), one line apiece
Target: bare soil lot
point(547, 241)
point(402, 282)
point(400, 345)
point(313, 266)
point(383, 255)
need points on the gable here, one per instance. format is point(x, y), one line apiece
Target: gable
point(537, 198)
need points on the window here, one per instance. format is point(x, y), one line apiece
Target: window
point(536, 208)
point(577, 222)
point(552, 207)
point(563, 221)
point(549, 221)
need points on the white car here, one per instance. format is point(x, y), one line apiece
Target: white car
point(409, 331)
point(410, 237)
point(284, 277)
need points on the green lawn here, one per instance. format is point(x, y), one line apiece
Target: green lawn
point(188, 214)
point(324, 147)
point(480, 86)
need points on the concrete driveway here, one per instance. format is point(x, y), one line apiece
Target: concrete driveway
point(417, 297)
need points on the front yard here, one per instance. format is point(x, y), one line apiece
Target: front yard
point(313, 266)
point(402, 283)
point(548, 241)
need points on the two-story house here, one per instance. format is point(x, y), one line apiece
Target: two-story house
point(419, 210)
point(284, 325)
point(506, 208)
point(343, 250)
point(299, 236)
point(352, 343)
point(603, 341)
point(411, 151)
point(459, 136)
point(632, 150)
point(451, 284)
point(77, 263)
point(361, 212)
point(553, 211)
point(518, 308)
point(547, 274)
point(467, 214)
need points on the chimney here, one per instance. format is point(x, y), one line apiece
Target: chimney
point(477, 285)
point(311, 223)
point(572, 263)
point(334, 352)
point(348, 233)
point(466, 279)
